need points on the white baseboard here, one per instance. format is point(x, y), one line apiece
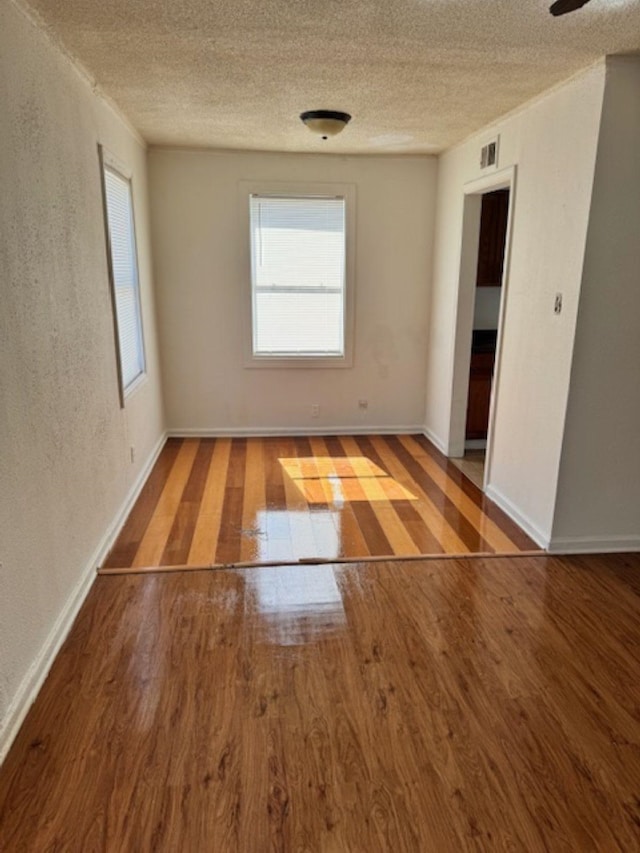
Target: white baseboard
point(39, 669)
point(36, 674)
point(515, 515)
point(434, 439)
point(114, 528)
point(267, 432)
point(594, 544)
point(475, 444)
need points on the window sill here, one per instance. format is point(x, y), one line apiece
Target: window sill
point(298, 362)
point(135, 385)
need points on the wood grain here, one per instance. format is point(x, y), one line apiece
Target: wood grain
point(161, 522)
point(207, 529)
point(224, 501)
point(447, 705)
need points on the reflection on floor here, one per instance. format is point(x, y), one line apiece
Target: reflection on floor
point(224, 501)
point(295, 605)
point(443, 705)
point(472, 466)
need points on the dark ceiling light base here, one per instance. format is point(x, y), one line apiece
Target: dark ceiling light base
point(562, 7)
point(325, 122)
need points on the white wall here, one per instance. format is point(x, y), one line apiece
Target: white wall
point(487, 307)
point(552, 141)
point(200, 251)
point(64, 462)
point(599, 488)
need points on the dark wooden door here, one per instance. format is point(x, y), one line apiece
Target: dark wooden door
point(480, 378)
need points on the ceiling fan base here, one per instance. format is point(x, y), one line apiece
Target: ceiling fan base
point(563, 7)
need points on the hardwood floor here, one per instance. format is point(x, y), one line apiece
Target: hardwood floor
point(472, 466)
point(442, 705)
point(224, 501)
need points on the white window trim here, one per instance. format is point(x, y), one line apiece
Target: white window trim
point(304, 188)
point(108, 160)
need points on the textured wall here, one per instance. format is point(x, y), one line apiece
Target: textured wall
point(64, 460)
point(201, 247)
point(553, 144)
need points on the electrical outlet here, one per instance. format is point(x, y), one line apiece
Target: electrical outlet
point(315, 410)
point(363, 404)
point(557, 304)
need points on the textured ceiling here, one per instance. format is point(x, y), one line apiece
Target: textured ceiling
point(417, 75)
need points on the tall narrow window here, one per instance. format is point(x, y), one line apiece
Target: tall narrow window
point(123, 266)
point(298, 276)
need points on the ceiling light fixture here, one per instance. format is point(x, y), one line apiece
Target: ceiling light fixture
point(326, 123)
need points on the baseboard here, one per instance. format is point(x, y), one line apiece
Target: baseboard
point(515, 515)
point(475, 444)
point(267, 432)
point(114, 528)
point(594, 544)
point(435, 440)
point(39, 669)
point(36, 674)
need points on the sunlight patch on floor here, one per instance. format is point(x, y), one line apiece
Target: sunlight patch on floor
point(328, 480)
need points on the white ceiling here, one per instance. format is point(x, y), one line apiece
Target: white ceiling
point(417, 75)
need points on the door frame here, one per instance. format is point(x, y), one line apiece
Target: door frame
point(472, 203)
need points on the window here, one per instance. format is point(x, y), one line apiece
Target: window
point(300, 303)
point(123, 271)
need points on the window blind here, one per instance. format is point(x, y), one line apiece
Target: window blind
point(124, 267)
point(298, 275)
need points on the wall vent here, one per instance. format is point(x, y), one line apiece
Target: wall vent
point(489, 154)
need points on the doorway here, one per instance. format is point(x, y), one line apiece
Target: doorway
point(481, 309)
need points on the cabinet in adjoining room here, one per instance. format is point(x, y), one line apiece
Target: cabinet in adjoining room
point(491, 251)
point(483, 354)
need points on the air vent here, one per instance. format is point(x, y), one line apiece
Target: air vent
point(489, 154)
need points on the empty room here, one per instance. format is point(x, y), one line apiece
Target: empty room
point(319, 347)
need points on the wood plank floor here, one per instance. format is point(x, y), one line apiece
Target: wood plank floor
point(224, 501)
point(443, 705)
